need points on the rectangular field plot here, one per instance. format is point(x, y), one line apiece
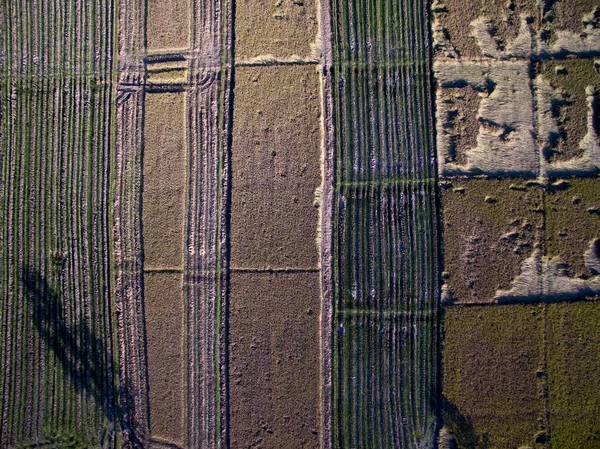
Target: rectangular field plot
point(385, 379)
point(57, 359)
point(274, 360)
point(168, 24)
point(163, 300)
point(285, 29)
point(493, 371)
point(164, 181)
point(573, 367)
point(384, 236)
point(275, 167)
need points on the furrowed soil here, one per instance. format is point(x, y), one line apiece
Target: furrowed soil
point(56, 348)
point(384, 247)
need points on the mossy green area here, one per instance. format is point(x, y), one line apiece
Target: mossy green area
point(490, 227)
point(522, 376)
point(56, 347)
point(573, 222)
point(385, 230)
point(570, 77)
point(574, 375)
point(491, 390)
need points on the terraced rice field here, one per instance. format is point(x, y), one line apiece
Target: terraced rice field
point(384, 248)
point(57, 352)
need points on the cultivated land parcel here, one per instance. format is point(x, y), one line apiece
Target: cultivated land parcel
point(299, 224)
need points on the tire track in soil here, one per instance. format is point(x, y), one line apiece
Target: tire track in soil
point(379, 223)
point(55, 161)
point(206, 260)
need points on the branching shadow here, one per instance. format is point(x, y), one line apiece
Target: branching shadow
point(76, 347)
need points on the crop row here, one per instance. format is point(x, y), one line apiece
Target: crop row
point(56, 352)
point(385, 231)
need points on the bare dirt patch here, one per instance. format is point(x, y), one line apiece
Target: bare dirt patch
point(490, 227)
point(168, 24)
point(164, 180)
point(462, 122)
point(280, 28)
point(573, 223)
point(505, 17)
point(164, 345)
point(568, 14)
point(276, 167)
point(570, 78)
point(274, 360)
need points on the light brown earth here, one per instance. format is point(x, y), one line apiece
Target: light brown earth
point(168, 24)
point(489, 229)
point(276, 167)
point(274, 360)
point(571, 77)
point(572, 223)
point(280, 28)
point(163, 301)
point(164, 181)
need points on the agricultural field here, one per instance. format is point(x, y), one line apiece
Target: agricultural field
point(518, 159)
point(284, 224)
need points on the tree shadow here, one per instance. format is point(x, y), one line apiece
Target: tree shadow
point(461, 428)
point(76, 347)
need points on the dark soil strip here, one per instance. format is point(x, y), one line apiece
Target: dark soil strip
point(56, 343)
point(380, 237)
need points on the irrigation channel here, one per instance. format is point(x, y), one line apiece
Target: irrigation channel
point(381, 255)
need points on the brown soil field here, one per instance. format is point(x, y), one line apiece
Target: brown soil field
point(277, 28)
point(567, 14)
point(276, 167)
point(465, 125)
point(168, 24)
point(491, 391)
point(274, 360)
point(164, 346)
point(490, 227)
point(573, 367)
point(505, 16)
point(570, 77)
point(164, 181)
point(571, 223)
